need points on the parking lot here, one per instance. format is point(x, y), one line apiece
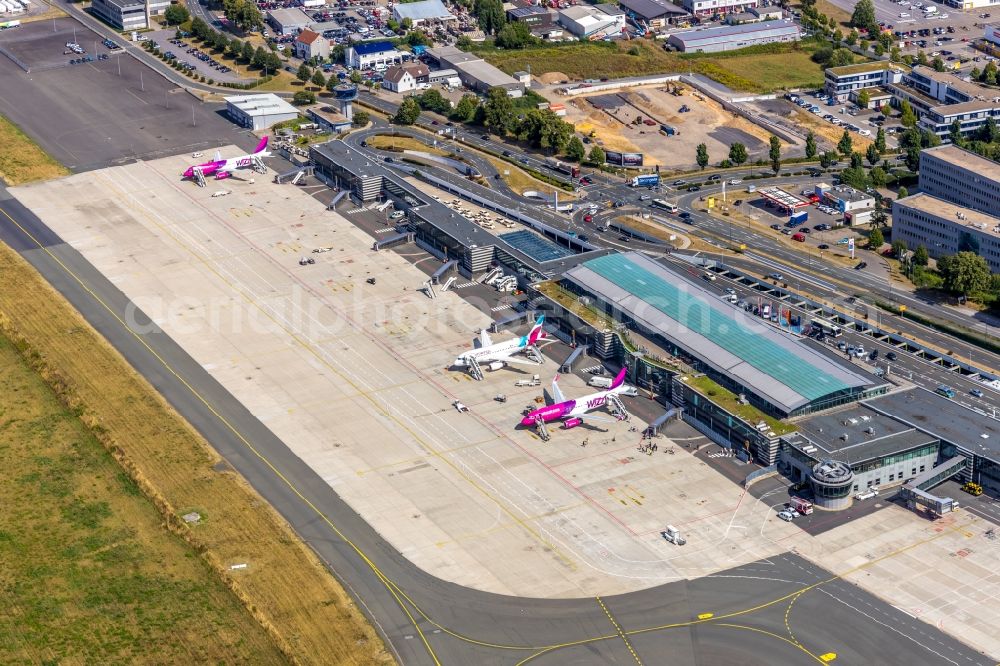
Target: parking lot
point(200, 59)
point(88, 116)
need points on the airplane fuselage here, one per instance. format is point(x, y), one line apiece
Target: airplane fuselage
point(497, 352)
point(571, 408)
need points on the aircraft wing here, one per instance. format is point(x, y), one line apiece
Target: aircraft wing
point(594, 417)
point(520, 360)
point(557, 394)
point(484, 339)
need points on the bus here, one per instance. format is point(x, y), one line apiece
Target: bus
point(828, 327)
point(665, 205)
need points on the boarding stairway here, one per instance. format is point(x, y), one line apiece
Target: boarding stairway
point(542, 429)
point(199, 177)
point(475, 369)
point(616, 407)
point(447, 285)
point(532, 354)
point(492, 276)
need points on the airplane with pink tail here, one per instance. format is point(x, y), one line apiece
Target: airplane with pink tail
point(224, 168)
point(573, 412)
point(494, 356)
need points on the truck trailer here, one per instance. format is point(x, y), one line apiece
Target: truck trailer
point(645, 180)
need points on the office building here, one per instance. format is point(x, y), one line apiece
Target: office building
point(961, 177)
point(840, 82)
point(945, 228)
point(731, 37)
point(122, 14)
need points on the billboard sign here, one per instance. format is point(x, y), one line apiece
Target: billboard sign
point(623, 159)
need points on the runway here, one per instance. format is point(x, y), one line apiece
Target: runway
point(782, 610)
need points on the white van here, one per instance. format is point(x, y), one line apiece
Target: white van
point(904, 15)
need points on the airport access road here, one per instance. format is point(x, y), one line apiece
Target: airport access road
point(784, 610)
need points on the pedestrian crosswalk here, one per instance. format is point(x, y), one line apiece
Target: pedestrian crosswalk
point(361, 209)
point(594, 369)
point(502, 307)
point(465, 285)
point(384, 230)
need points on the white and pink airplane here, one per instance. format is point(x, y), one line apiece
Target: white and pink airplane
point(493, 356)
point(573, 412)
point(224, 168)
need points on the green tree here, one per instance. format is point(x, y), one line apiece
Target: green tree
point(864, 98)
point(875, 239)
point(810, 145)
point(864, 16)
point(856, 160)
point(886, 110)
point(332, 83)
point(259, 58)
point(356, 77)
point(841, 57)
point(988, 132)
point(597, 156)
point(855, 177)
point(879, 218)
point(304, 73)
point(906, 115)
point(955, 132)
point(902, 192)
point(975, 74)
point(246, 53)
point(176, 14)
point(408, 112)
point(990, 74)
point(318, 79)
point(465, 110)
point(964, 273)
point(515, 35)
point(738, 153)
point(898, 248)
point(846, 145)
point(871, 154)
point(877, 176)
point(880, 140)
point(407, 24)
point(199, 28)
point(937, 64)
point(922, 59)
point(920, 256)
point(895, 55)
point(838, 36)
point(433, 100)
point(828, 159)
point(360, 118)
point(701, 155)
point(852, 38)
point(235, 47)
point(775, 154)
point(490, 15)
point(243, 13)
point(498, 112)
point(304, 97)
point(575, 150)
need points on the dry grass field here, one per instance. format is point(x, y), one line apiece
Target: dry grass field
point(302, 614)
point(22, 160)
point(89, 574)
point(521, 181)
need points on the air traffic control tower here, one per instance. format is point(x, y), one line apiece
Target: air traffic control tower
point(344, 96)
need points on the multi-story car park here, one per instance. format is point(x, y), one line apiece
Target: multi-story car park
point(731, 37)
point(840, 82)
point(945, 228)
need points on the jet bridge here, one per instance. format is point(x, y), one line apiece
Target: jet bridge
point(445, 267)
point(916, 491)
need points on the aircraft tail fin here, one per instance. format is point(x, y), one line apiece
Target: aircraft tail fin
point(619, 380)
point(557, 394)
point(537, 332)
point(218, 156)
point(261, 146)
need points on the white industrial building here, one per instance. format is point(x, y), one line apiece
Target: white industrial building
point(257, 112)
point(122, 14)
point(373, 55)
point(731, 37)
point(426, 11)
point(288, 21)
point(593, 21)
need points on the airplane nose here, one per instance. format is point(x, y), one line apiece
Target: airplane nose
point(528, 421)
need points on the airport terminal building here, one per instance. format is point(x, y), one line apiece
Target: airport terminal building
point(736, 378)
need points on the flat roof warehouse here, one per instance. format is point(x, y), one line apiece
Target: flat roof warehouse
point(787, 373)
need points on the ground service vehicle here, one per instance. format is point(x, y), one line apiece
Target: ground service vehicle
point(645, 180)
point(973, 488)
point(805, 507)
